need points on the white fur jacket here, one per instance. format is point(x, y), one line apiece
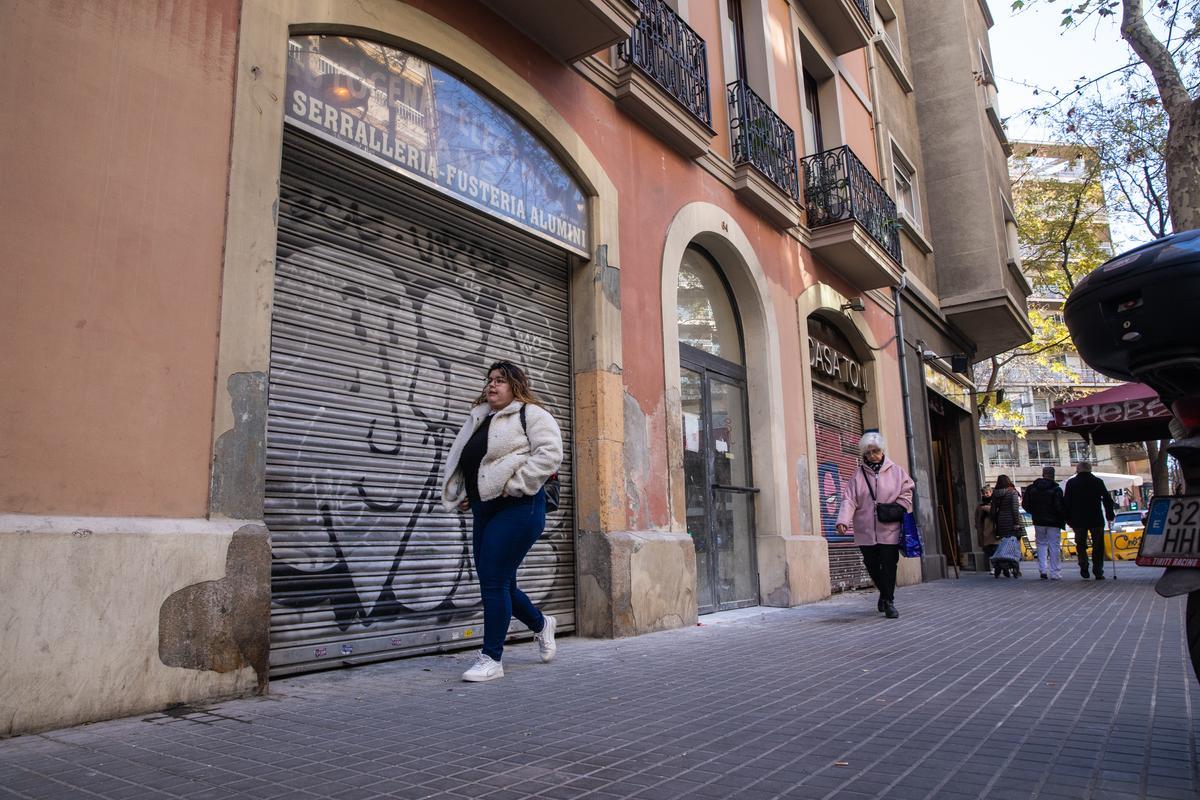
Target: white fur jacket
point(515, 464)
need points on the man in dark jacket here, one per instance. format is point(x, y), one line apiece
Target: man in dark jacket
point(1043, 499)
point(1086, 497)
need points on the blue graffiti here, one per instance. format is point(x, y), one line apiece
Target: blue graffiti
point(829, 484)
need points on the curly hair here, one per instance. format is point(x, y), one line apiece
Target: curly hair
point(518, 381)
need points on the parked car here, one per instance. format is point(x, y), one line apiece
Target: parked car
point(1127, 522)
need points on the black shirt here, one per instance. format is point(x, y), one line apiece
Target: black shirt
point(472, 457)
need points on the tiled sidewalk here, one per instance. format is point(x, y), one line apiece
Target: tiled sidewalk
point(983, 688)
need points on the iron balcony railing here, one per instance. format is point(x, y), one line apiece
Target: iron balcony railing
point(671, 54)
point(838, 187)
point(762, 139)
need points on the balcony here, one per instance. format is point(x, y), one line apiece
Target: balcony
point(1003, 461)
point(981, 296)
point(764, 157)
point(853, 220)
point(662, 79)
point(570, 29)
point(845, 24)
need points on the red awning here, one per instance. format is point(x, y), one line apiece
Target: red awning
point(1130, 412)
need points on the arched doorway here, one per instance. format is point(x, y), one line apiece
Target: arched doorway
point(718, 483)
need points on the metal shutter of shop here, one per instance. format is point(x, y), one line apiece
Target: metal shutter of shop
point(839, 426)
point(390, 302)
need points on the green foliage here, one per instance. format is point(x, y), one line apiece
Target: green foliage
point(1063, 235)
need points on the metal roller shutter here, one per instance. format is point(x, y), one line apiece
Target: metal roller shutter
point(390, 301)
point(839, 426)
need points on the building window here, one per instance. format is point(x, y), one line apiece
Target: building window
point(1079, 450)
point(812, 115)
point(999, 454)
point(986, 77)
point(1041, 411)
point(889, 28)
point(738, 35)
point(906, 189)
point(1041, 452)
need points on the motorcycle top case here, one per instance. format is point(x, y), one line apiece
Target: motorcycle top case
point(1134, 318)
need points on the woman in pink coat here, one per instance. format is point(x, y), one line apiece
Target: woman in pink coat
point(878, 541)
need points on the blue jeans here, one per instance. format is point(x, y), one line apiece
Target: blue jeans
point(504, 530)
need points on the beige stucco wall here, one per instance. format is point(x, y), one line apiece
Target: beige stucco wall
point(83, 606)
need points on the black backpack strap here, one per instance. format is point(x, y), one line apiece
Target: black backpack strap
point(523, 428)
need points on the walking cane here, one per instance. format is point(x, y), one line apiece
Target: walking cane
point(1112, 556)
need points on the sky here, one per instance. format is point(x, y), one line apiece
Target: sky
point(1030, 49)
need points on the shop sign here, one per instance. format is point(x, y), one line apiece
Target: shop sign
point(415, 118)
point(948, 388)
point(830, 364)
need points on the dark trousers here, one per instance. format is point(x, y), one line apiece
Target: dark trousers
point(880, 561)
point(504, 531)
point(1081, 540)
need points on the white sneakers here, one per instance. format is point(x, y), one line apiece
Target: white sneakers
point(545, 640)
point(487, 668)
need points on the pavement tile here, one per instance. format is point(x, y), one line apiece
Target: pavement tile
point(775, 700)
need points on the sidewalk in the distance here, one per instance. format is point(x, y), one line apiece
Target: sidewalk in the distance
point(983, 688)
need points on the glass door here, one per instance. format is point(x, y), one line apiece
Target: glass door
point(719, 489)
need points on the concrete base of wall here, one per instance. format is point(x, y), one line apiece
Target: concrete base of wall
point(635, 582)
point(934, 566)
point(792, 570)
point(108, 617)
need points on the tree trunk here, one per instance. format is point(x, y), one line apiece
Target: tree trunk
point(1182, 151)
point(1183, 170)
point(1157, 451)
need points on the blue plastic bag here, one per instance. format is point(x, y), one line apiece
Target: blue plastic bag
point(910, 537)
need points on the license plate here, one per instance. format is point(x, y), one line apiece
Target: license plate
point(1172, 536)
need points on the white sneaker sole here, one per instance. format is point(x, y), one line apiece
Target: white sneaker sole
point(548, 653)
point(481, 677)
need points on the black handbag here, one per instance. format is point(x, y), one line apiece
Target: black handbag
point(552, 486)
point(885, 512)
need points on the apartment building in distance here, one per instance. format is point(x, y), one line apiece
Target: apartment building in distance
point(1033, 388)
point(251, 310)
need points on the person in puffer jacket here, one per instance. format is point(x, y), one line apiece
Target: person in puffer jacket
point(497, 467)
point(1006, 514)
point(1043, 499)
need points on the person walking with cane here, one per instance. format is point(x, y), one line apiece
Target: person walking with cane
point(1088, 505)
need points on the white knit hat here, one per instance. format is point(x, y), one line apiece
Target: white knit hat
point(869, 438)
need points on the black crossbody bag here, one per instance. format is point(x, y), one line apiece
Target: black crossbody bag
point(884, 512)
point(552, 485)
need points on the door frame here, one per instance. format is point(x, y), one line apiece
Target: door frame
point(706, 365)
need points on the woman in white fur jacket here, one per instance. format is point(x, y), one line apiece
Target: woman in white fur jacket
point(497, 468)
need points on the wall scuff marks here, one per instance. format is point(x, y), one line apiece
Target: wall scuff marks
point(222, 625)
point(239, 454)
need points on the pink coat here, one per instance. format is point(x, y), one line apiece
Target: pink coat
point(891, 485)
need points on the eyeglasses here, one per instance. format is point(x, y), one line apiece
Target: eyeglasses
point(497, 381)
